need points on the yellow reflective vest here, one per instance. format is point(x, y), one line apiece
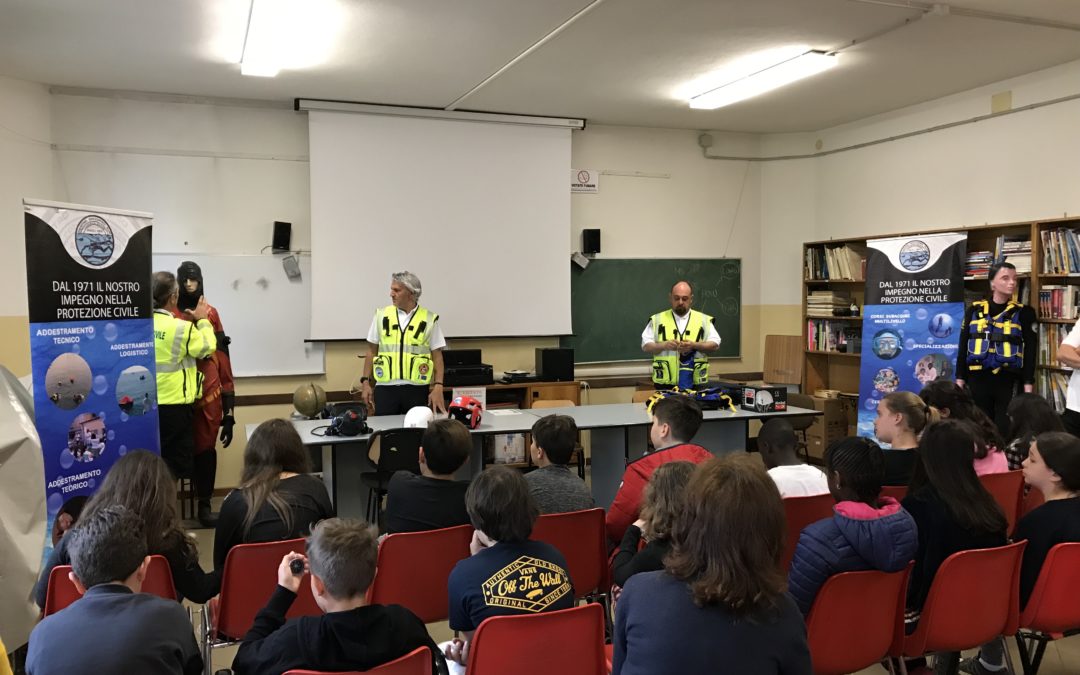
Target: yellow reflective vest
point(666, 364)
point(177, 346)
point(404, 351)
point(995, 342)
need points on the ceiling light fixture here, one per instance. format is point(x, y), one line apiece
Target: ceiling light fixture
point(772, 77)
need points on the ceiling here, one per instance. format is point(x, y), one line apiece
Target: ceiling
point(623, 62)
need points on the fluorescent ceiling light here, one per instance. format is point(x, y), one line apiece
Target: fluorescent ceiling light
point(289, 34)
point(772, 77)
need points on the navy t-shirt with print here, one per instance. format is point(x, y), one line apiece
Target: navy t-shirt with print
point(520, 578)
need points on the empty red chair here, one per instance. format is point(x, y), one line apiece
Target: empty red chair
point(1008, 491)
point(580, 537)
point(1052, 610)
point(802, 511)
point(247, 582)
point(974, 599)
point(897, 492)
point(62, 591)
point(413, 567)
point(867, 604)
point(576, 634)
point(416, 662)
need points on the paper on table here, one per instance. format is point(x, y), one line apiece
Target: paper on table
point(502, 412)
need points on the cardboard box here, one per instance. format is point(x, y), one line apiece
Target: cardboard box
point(504, 448)
point(850, 405)
point(764, 399)
point(831, 425)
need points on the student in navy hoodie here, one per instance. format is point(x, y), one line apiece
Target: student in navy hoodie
point(866, 532)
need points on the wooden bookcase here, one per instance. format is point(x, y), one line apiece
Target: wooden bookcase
point(840, 370)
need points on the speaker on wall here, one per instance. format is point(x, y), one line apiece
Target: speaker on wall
point(590, 242)
point(282, 236)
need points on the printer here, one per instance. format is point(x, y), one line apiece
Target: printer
point(462, 368)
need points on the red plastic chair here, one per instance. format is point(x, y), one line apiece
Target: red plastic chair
point(62, 591)
point(974, 599)
point(802, 511)
point(580, 537)
point(416, 662)
point(496, 647)
point(247, 582)
point(1052, 611)
point(1008, 491)
point(413, 567)
point(897, 492)
point(868, 604)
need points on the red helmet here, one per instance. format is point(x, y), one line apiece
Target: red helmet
point(467, 410)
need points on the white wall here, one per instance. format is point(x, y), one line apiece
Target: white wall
point(26, 170)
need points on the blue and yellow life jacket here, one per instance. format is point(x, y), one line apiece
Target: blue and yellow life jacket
point(995, 342)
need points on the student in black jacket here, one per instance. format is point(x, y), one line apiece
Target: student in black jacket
point(351, 635)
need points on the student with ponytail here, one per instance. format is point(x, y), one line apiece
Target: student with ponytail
point(901, 417)
point(955, 403)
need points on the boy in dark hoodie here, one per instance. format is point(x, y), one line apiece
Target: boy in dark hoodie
point(866, 532)
point(351, 635)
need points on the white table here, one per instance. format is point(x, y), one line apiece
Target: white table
point(618, 431)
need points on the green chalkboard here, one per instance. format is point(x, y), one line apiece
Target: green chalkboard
point(612, 300)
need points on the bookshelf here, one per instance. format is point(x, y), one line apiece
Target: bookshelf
point(1045, 252)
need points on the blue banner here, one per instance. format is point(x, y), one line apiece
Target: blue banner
point(91, 343)
point(913, 311)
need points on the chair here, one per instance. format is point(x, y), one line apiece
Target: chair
point(802, 511)
point(800, 424)
point(247, 582)
point(581, 538)
point(62, 592)
point(416, 662)
point(642, 395)
point(868, 604)
point(974, 599)
point(1052, 610)
point(897, 492)
point(399, 450)
point(1008, 491)
point(413, 567)
point(496, 647)
point(579, 453)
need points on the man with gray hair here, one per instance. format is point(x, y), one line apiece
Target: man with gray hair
point(404, 367)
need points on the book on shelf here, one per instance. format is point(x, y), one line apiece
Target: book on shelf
point(1059, 302)
point(828, 303)
point(1051, 336)
point(823, 335)
point(977, 263)
point(1052, 386)
point(1061, 251)
point(846, 261)
point(1014, 249)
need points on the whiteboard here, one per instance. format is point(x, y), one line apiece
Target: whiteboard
point(266, 315)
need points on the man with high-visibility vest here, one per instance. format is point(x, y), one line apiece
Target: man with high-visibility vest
point(679, 340)
point(178, 344)
point(404, 366)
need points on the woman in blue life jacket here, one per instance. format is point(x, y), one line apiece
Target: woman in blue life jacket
point(998, 347)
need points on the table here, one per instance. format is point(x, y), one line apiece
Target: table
point(619, 431)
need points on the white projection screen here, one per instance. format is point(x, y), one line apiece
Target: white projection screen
point(479, 211)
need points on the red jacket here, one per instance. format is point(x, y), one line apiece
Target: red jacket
point(627, 505)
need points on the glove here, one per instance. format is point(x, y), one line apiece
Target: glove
point(227, 423)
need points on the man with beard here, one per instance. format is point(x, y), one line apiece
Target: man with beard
point(214, 410)
point(679, 339)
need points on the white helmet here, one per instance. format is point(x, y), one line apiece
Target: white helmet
point(418, 417)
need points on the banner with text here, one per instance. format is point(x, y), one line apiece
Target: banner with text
point(91, 342)
point(912, 314)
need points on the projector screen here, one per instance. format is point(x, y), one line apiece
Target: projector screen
point(479, 211)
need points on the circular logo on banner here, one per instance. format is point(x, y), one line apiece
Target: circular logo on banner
point(914, 255)
point(94, 240)
point(583, 176)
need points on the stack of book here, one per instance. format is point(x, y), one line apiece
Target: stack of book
point(1050, 336)
point(828, 304)
point(847, 261)
point(1059, 302)
point(1052, 386)
point(978, 264)
point(1015, 250)
point(1061, 251)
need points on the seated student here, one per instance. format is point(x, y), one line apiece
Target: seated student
point(719, 606)
point(675, 420)
point(113, 628)
point(865, 533)
point(277, 498)
point(1029, 415)
point(955, 403)
point(503, 513)
point(660, 506)
point(1053, 468)
point(554, 487)
point(433, 500)
point(351, 635)
point(901, 417)
point(951, 508)
point(142, 482)
point(776, 445)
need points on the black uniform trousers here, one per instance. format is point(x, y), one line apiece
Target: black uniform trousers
point(397, 399)
point(992, 393)
point(177, 433)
